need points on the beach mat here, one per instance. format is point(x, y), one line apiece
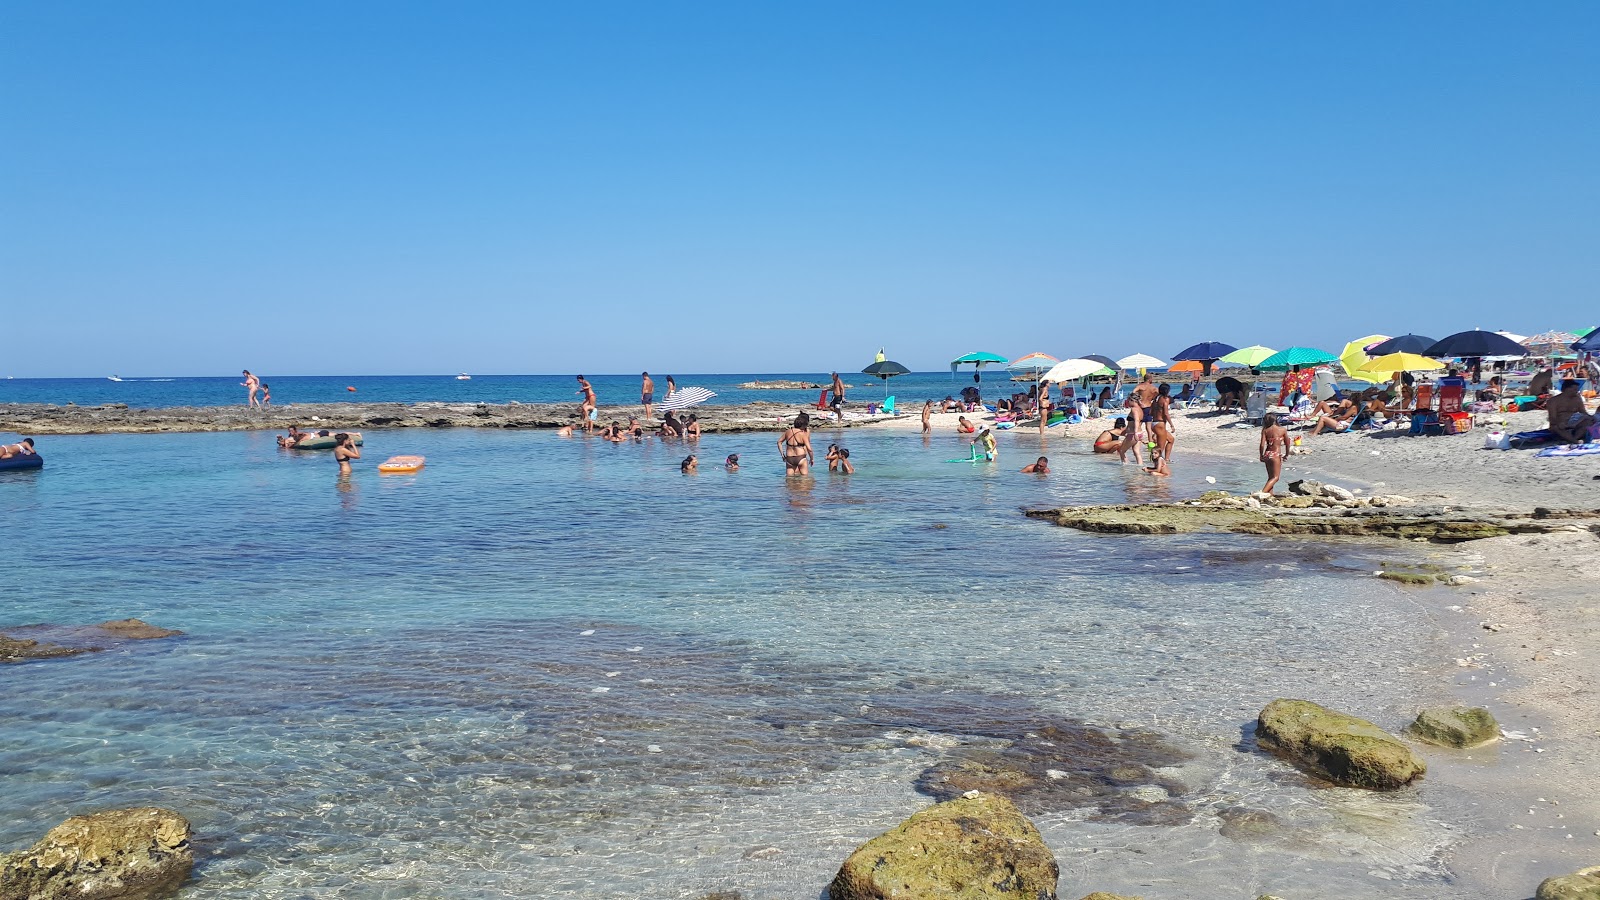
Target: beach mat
point(1574, 450)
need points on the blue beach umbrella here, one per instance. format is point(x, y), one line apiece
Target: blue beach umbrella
point(1475, 343)
point(1205, 353)
point(1405, 343)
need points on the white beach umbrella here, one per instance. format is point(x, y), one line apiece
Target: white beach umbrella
point(1072, 370)
point(685, 397)
point(1140, 361)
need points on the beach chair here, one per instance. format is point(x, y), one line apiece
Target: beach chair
point(1451, 393)
point(822, 401)
point(888, 405)
point(1255, 407)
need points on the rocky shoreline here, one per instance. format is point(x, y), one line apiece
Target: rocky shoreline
point(117, 418)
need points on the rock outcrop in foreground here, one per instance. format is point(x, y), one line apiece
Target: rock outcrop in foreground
point(1583, 884)
point(975, 848)
point(27, 642)
point(1338, 747)
point(123, 854)
point(1455, 726)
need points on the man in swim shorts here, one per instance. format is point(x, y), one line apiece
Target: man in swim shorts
point(1040, 467)
point(647, 393)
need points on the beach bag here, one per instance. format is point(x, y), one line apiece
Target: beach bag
point(1497, 440)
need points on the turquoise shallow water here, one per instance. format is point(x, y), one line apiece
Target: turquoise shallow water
point(561, 663)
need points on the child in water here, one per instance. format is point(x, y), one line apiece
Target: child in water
point(732, 464)
point(985, 441)
point(690, 466)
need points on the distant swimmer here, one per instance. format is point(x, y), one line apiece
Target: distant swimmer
point(732, 462)
point(251, 384)
point(344, 450)
point(845, 466)
point(565, 430)
point(794, 445)
point(1110, 439)
point(671, 427)
point(635, 430)
point(1039, 467)
point(613, 433)
point(689, 466)
point(23, 447)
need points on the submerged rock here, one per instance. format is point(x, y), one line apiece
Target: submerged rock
point(1455, 726)
point(16, 650)
point(973, 848)
point(122, 854)
point(52, 641)
point(1339, 747)
point(137, 630)
point(1583, 884)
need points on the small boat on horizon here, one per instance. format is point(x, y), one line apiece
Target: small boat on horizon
point(113, 378)
point(463, 377)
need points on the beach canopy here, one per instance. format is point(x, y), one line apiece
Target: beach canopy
point(1550, 343)
point(685, 397)
point(1297, 356)
point(1405, 343)
point(1401, 362)
point(885, 369)
point(1249, 356)
point(1467, 344)
point(1355, 355)
point(977, 359)
point(1033, 362)
point(1073, 369)
point(1140, 361)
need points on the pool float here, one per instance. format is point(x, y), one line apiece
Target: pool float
point(401, 465)
point(323, 441)
point(30, 461)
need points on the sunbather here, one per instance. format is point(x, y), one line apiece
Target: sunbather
point(1337, 423)
point(1569, 418)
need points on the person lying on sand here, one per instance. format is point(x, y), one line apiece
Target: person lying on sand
point(1569, 418)
point(1110, 439)
point(1337, 423)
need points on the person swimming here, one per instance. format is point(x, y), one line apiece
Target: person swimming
point(732, 462)
point(690, 465)
point(1041, 466)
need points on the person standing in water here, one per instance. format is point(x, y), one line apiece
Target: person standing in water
point(647, 393)
point(1274, 449)
point(794, 445)
point(251, 384)
point(344, 450)
point(986, 442)
point(927, 416)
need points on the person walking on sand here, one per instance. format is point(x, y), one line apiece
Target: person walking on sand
point(647, 393)
point(794, 445)
point(1274, 449)
point(927, 416)
point(251, 384)
point(344, 450)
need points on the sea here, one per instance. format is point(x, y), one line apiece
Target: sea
point(559, 667)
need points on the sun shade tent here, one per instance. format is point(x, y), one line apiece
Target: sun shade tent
point(977, 360)
point(1205, 353)
point(1297, 356)
point(1248, 356)
point(885, 370)
point(1476, 343)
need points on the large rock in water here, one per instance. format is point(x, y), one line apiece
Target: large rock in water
point(972, 848)
point(1341, 748)
point(1583, 884)
point(1455, 726)
point(122, 854)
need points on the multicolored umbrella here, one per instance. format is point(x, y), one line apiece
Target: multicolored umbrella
point(1033, 362)
point(1355, 356)
point(1550, 343)
point(1249, 356)
point(1297, 356)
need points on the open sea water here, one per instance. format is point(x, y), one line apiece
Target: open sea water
point(559, 668)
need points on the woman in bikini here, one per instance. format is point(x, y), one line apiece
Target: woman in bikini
point(1161, 421)
point(794, 446)
point(344, 451)
point(1274, 449)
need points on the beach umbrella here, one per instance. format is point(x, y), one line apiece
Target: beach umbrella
point(886, 370)
point(1140, 361)
point(1583, 332)
point(1590, 344)
point(1401, 362)
point(685, 397)
point(1033, 362)
point(1467, 344)
point(1550, 343)
point(1205, 353)
point(1103, 360)
point(1354, 356)
point(1297, 356)
point(1248, 356)
point(1190, 365)
point(1405, 343)
point(977, 360)
point(1073, 369)
point(1519, 338)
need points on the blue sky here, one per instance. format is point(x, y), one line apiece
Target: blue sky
point(193, 188)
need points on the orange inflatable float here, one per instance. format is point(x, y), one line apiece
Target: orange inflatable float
point(402, 465)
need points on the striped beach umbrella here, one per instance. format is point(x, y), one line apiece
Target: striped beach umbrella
point(1297, 356)
point(683, 398)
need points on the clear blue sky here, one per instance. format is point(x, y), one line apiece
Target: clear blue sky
point(194, 188)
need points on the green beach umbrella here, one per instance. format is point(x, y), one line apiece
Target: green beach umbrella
point(1248, 356)
point(977, 360)
point(1297, 356)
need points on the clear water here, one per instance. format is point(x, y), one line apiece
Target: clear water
point(560, 668)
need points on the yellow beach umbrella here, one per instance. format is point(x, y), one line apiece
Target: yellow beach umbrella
point(1354, 357)
point(1402, 362)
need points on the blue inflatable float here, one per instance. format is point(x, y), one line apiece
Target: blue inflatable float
point(31, 461)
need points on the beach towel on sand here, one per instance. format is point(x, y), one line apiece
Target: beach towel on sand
point(1571, 450)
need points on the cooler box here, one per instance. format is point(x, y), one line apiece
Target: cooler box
point(1456, 422)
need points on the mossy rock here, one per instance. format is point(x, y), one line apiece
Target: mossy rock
point(972, 848)
point(121, 854)
point(1583, 884)
point(1415, 579)
point(1455, 726)
point(1338, 747)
